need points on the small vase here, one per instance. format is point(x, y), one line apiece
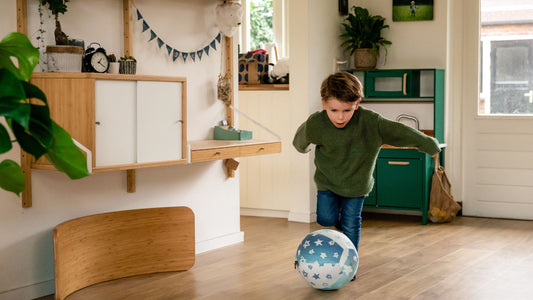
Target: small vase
point(113, 67)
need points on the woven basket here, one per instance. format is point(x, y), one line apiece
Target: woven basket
point(127, 67)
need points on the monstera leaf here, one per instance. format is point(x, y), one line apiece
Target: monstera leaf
point(30, 122)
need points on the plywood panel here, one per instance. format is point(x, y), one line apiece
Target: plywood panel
point(107, 246)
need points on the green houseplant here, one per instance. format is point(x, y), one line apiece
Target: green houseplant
point(30, 122)
point(362, 36)
point(57, 7)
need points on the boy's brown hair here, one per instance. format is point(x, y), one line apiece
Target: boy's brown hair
point(343, 86)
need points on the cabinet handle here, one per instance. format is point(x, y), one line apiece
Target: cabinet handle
point(97, 123)
point(399, 163)
point(180, 121)
point(404, 84)
point(217, 153)
point(262, 149)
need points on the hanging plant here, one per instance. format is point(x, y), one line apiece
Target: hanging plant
point(57, 7)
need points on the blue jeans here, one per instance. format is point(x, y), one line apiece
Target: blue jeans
point(343, 212)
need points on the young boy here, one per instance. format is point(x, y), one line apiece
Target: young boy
point(348, 138)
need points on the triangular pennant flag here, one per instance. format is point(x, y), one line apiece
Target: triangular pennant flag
point(152, 35)
point(145, 26)
point(175, 55)
point(169, 49)
point(218, 38)
point(199, 53)
point(184, 55)
point(214, 44)
point(206, 50)
point(160, 42)
point(193, 56)
point(139, 16)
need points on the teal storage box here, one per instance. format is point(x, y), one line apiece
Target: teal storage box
point(230, 133)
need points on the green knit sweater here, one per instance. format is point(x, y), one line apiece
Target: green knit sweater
point(345, 158)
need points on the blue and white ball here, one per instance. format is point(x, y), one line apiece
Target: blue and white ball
point(327, 259)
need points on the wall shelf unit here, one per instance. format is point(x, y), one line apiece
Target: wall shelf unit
point(79, 117)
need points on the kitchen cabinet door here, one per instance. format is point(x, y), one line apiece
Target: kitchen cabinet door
point(399, 183)
point(159, 121)
point(115, 128)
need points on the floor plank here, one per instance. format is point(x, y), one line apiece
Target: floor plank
point(470, 258)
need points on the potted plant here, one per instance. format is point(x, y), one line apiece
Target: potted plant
point(30, 122)
point(57, 7)
point(362, 37)
point(113, 64)
point(128, 65)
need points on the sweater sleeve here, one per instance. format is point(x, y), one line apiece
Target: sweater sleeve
point(300, 141)
point(400, 135)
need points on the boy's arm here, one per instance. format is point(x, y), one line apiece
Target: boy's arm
point(400, 135)
point(300, 140)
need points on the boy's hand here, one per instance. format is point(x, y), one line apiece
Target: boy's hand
point(435, 156)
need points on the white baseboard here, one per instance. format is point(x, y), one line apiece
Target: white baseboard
point(219, 242)
point(269, 213)
point(33, 291)
point(302, 217)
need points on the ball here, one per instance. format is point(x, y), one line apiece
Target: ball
point(327, 259)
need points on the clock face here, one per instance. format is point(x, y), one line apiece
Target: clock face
point(99, 62)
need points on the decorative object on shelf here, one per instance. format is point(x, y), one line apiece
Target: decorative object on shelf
point(224, 88)
point(127, 65)
point(420, 10)
point(95, 59)
point(30, 123)
point(113, 64)
point(253, 67)
point(229, 17)
point(230, 133)
point(362, 37)
point(57, 7)
point(172, 51)
point(280, 71)
point(64, 58)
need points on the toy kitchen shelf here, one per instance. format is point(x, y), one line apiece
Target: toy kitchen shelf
point(403, 174)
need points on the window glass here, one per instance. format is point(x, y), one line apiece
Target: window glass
point(506, 53)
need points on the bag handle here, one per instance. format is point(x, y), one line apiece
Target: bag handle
point(436, 161)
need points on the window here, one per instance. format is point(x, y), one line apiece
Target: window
point(264, 21)
point(506, 85)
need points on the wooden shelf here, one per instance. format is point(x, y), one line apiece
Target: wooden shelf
point(209, 150)
point(264, 87)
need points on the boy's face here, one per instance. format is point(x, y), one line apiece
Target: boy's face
point(340, 112)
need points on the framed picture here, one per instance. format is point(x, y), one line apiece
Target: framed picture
point(412, 10)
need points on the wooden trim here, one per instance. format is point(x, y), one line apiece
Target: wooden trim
point(228, 49)
point(22, 16)
point(128, 40)
point(209, 150)
point(25, 163)
point(264, 87)
point(107, 76)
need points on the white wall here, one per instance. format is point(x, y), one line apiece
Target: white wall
point(26, 249)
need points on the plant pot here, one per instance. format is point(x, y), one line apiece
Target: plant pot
point(127, 67)
point(64, 58)
point(364, 59)
point(113, 67)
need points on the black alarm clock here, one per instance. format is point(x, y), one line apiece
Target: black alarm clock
point(95, 59)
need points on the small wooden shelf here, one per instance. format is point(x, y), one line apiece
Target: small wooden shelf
point(209, 150)
point(264, 87)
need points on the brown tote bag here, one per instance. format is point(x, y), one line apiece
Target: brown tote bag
point(442, 206)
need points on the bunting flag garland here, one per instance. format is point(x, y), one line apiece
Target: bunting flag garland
point(172, 51)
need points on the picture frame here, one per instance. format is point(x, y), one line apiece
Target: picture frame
point(412, 10)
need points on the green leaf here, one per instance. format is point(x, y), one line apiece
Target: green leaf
point(28, 142)
point(5, 140)
point(18, 45)
point(65, 156)
point(11, 177)
point(11, 87)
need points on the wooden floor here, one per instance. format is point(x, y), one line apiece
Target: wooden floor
point(470, 258)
